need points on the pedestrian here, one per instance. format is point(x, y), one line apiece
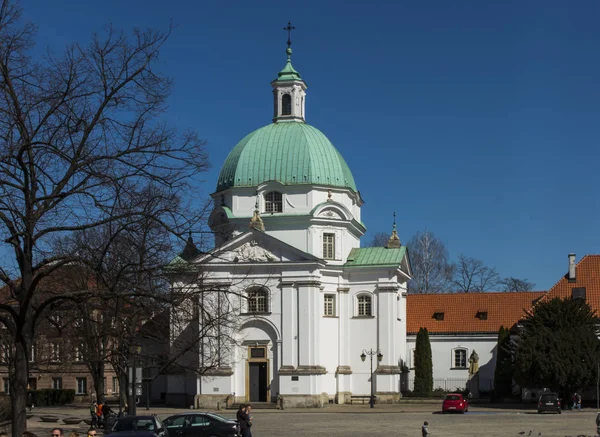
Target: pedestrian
point(579, 401)
point(242, 418)
point(28, 434)
point(74, 434)
point(93, 409)
point(248, 413)
point(598, 424)
point(56, 432)
point(92, 432)
point(99, 406)
point(574, 401)
point(424, 429)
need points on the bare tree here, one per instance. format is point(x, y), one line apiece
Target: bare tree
point(380, 239)
point(515, 284)
point(470, 274)
point(80, 136)
point(429, 262)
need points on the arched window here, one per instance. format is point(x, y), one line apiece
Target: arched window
point(364, 305)
point(273, 202)
point(258, 300)
point(286, 104)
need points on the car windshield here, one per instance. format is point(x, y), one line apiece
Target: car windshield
point(548, 397)
point(132, 424)
point(453, 398)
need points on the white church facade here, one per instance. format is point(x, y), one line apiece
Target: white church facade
point(308, 299)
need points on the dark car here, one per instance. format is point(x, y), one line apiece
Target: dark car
point(549, 401)
point(201, 425)
point(455, 402)
point(139, 426)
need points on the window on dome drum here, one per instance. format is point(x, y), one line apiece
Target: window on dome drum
point(273, 202)
point(329, 246)
point(329, 309)
point(364, 305)
point(258, 301)
point(460, 359)
point(286, 105)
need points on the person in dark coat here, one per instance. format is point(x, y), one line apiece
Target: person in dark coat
point(243, 419)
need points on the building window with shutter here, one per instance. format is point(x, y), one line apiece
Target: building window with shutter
point(115, 385)
point(329, 303)
point(273, 202)
point(57, 383)
point(81, 386)
point(329, 246)
point(55, 352)
point(6, 386)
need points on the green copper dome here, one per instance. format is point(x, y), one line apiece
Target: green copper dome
point(291, 153)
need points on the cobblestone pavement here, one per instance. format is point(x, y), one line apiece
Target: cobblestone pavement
point(383, 420)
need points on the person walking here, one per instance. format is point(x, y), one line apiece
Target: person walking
point(424, 429)
point(93, 410)
point(579, 401)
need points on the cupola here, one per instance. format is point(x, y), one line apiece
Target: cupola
point(289, 91)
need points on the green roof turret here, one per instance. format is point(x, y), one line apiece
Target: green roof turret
point(288, 72)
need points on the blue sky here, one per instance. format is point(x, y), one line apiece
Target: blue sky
point(479, 121)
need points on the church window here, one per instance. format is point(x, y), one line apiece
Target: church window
point(364, 305)
point(459, 359)
point(273, 202)
point(329, 309)
point(286, 105)
point(329, 246)
point(258, 301)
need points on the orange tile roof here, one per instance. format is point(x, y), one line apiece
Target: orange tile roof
point(587, 274)
point(460, 311)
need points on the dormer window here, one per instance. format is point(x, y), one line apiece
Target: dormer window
point(286, 104)
point(482, 315)
point(438, 316)
point(273, 202)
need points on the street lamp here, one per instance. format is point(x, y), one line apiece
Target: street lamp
point(134, 351)
point(363, 357)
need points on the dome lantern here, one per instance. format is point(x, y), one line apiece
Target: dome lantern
point(289, 90)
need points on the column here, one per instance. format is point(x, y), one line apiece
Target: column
point(388, 372)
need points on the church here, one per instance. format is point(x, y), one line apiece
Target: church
point(315, 311)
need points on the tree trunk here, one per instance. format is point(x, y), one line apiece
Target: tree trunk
point(18, 389)
point(123, 388)
point(97, 372)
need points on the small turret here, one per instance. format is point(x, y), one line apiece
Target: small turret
point(394, 241)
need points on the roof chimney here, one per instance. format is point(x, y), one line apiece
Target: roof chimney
point(571, 275)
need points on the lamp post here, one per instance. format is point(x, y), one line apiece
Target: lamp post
point(134, 350)
point(371, 353)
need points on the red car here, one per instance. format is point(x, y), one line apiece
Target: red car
point(455, 402)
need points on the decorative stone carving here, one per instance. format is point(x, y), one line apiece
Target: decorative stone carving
point(253, 252)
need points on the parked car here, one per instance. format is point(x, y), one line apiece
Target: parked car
point(455, 402)
point(201, 425)
point(139, 426)
point(549, 401)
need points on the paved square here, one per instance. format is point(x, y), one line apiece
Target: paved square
point(392, 420)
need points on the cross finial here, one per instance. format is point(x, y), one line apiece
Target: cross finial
point(394, 219)
point(289, 29)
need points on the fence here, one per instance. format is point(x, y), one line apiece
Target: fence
point(449, 384)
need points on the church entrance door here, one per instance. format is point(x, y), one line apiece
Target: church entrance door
point(257, 375)
point(258, 382)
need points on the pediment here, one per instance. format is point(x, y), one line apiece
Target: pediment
point(330, 213)
point(256, 247)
